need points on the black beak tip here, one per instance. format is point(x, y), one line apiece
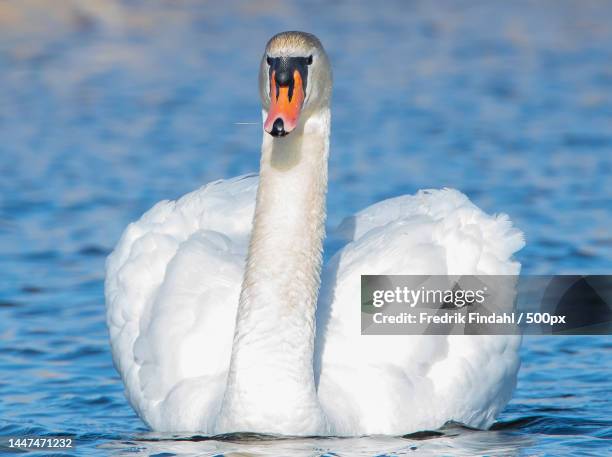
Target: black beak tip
point(278, 128)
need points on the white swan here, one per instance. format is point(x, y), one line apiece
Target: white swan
point(212, 333)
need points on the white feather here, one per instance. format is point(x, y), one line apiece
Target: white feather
point(172, 290)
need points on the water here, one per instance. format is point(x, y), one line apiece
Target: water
point(109, 106)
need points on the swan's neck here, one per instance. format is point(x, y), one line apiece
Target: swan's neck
point(271, 383)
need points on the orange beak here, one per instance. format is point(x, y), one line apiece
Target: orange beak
point(285, 105)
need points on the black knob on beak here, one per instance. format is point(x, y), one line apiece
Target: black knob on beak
point(278, 128)
point(283, 77)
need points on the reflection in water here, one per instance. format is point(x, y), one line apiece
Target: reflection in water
point(452, 441)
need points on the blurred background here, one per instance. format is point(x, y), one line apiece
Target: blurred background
point(108, 106)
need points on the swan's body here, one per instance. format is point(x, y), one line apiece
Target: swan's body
point(212, 299)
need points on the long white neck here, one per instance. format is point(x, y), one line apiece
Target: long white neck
point(271, 387)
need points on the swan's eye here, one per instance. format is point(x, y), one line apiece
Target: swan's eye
point(269, 60)
point(309, 60)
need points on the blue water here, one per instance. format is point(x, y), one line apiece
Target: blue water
point(109, 106)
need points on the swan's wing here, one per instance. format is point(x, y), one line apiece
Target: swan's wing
point(399, 384)
point(172, 287)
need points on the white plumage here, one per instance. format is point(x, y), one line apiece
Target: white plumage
point(172, 288)
point(408, 383)
point(213, 306)
point(172, 291)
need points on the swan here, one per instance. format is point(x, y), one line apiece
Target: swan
point(223, 318)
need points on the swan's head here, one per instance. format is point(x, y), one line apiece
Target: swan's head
point(294, 80)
